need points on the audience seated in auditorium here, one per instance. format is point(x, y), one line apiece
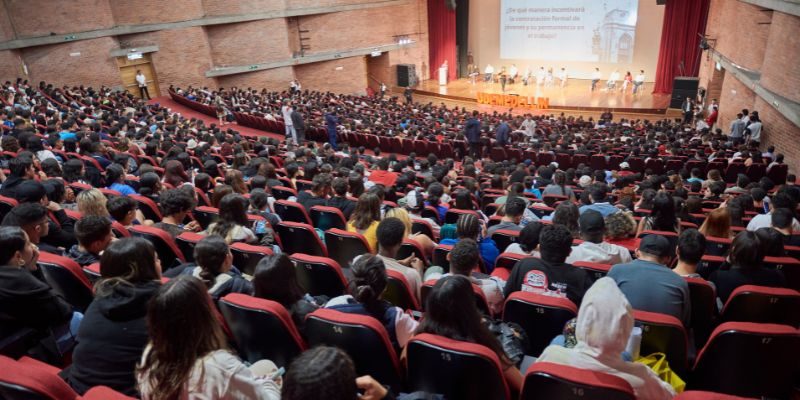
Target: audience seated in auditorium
point(528, 241)
point(32, 218)
point(365, 218)
point(468, 227)
point(649, 284)
point(215, 269)
point(464, 260)
point(175, 204)
point(746, 259)
point(605, 320)
point(513, 210)
point(233, 225)
point(113, 333)
point(329, 373)
point(690, 250)
point(593, 248)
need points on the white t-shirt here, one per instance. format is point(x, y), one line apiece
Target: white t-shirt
point(140, 79)
point(639, 78)
point(287, 115)
point(596, 75)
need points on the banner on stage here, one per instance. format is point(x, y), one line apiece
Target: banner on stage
point(515, 101)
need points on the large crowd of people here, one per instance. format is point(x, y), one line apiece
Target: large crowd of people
point(83, 168)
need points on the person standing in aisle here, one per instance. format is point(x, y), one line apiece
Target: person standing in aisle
point(330, 122)
point(299, 126)
point(141, 81)
point(286, 110)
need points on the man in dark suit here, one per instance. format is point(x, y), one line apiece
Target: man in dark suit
point(472, 131)
point(299, 125)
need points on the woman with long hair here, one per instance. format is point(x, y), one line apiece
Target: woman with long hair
point(717, 224)
point(366, 298)
point(174, 174)
point(746, 258)
point(235, 179)
point(559, 187)
point(663, 216)
point(451, 312)
point(435, 195)
point(113, 333)
point(150, 186)
point(275, 279)
point(74, 171)
point(567, 214)
point(115, 180)
point(188, 355)
point(215, 268)
point(365, 219)
point(233, 225)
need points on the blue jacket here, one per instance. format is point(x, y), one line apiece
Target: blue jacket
point(473, 130)
point(487, 248)
point(501, 134)
point(331, 121)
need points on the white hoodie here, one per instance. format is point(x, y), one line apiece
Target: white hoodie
point(605, 321)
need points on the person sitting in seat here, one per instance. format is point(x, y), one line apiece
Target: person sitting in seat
point(275, 279)
point(604, 324)
point(321, 188)
point(233, 224)
point(528, 241)
point(126, 211)
point(215, 269)
point(593, 248)
point(691, 247)
point(175, 205)
point(514, 208)
point(746, 258)
point(464, 260)
point(468, 227)
point(32, 218)
point(94, 235)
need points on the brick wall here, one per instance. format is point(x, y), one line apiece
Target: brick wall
point(273, 79)
point(734, 97)
point(228, 7)
point(183, 58)
point(741, 31)
point(85, 62)
point(10, 66)
point(323, 76)
point(290, 4)
point(43, 17)
point(133, 12)
point(248, 42)
point(781, 133)
point(6, 29)
point(781, 74)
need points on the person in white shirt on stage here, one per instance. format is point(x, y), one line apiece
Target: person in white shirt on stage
point(595, 78)
point(526, 77)
point(540, 75)
point(512, 73)
point(562, 77)
point(489, 73)
point(141, 82)
point(612, 80)
point(548, 79)
point(638, 81)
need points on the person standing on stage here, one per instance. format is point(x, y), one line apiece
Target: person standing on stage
point(472, 130)
point(562, 77)
point(527, 76)
point(503, 80)
point(548, 78)
point(638, 81)
point(501, 134)
point(141, 81)
point(595, 78)
point(408, 93)
point(687, 108)
point(512, 73)
point(331, 121)
point(489, 72)
point(540, 75)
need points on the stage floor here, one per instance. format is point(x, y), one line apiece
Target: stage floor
point(576, 95)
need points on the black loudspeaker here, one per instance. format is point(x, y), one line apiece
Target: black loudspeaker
point(406, 74)
point(683, 87)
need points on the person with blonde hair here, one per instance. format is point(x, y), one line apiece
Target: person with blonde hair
point(422, 239)
point(92, 202)
point(718, 224)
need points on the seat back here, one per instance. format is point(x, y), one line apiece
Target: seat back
point(319, 276)
point(149, 207)
point(545, 380)
point(750, 303)
point(6, 204)
point(749, 360)
point(344, 246)
point(455, 369)
point(507, 260)
point(778, 173)
point(453, 214)
point(205, 216)
point(283, 193)
point(717, 246)
point(597, 270)
point(104, 393)
point(247, 256)
point(186, 242)
point(790, 267)
point(410, 247)
point(440, 256)
point(325, 218)
point(67, 279)
point(541, 317)
point(168, 252)
point(398, 291)
point(422, 226)
point(504, 237)
point(31, 381)
point(703, 300)
point(292, 211)
point(262, 329)
point(300, 238)
point(362, 337)
point(663, 333)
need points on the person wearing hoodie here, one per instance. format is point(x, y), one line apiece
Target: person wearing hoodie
point(113, 333)
point(604, 324)
point(21, 169)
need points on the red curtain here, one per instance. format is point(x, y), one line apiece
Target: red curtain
point(441, 38)
point(683, 20)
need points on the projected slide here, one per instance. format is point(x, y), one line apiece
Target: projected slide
point(569, 30)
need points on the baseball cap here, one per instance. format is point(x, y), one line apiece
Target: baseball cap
point(656, 245)
point(30, 192)
point(585, 181)
point(591, 221)
point(624, 165)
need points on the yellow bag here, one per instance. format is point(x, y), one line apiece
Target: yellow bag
point(658, 363)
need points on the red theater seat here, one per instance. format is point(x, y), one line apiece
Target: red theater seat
point(32, 380)
point(300, 238)
point(319, 276)
point(344, 246)
point(545, 380)
point(541, 317)
point(67, 279)
point(750, 303)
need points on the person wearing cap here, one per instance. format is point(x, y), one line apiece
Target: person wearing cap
point(650, 285)
point(550, 274)
point(598, 196)
point(625, 169)
point(593, 249)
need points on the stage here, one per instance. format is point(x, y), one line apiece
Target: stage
point(575, 96)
